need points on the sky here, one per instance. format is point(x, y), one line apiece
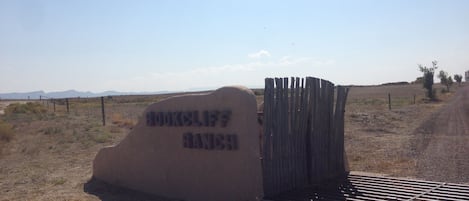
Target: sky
point(148, 46)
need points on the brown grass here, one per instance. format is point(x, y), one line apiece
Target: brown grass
point(380, 140)
point(119, 120)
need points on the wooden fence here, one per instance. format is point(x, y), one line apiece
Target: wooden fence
point(303, 136)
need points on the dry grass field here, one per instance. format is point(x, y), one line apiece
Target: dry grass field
point(380, 140)
point(47, 155)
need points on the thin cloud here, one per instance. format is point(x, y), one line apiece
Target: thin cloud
point(248, 74)
point(261, 53)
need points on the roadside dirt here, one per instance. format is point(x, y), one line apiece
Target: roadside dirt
point(442, 142)
point(415, 139)
point(377, 139)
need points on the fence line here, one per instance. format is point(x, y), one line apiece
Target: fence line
point(103, 109)
point(412, 100)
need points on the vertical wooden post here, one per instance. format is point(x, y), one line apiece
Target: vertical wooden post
point(414, 99)
point(53, 102)
point(389, 100)
point(102, 111)
point(68, 107)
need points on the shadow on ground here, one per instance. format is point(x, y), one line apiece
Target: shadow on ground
point(341, 189)
point(337, 191)
point(108, 192)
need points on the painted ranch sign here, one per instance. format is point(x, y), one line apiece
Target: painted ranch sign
point(191, 147)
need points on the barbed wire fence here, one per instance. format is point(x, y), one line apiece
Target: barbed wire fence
point(126, 109)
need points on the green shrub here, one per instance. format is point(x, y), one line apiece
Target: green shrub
point(28, 108)
point(51, 130)
point(6, 131)
point(58, 181)
point(102, 137)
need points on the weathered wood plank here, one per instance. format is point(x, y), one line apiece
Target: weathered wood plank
point(267, 138)
point(303, 135)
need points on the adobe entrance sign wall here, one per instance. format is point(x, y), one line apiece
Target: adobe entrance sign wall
point(193, 147)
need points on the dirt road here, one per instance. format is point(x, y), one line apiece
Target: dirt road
point(442, 142)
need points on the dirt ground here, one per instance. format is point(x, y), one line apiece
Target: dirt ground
point(426, 140)
point(379, 140)
point(50, 156)
point(442, 142)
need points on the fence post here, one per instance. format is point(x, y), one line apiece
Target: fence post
point(414, 99)
point(68, 107)
point(102, 111)
point(389, 100)
point(53, 102)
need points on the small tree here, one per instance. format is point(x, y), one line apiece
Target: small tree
point(458, 78)
point(450, 82)
point(418, 80)
point(445, 79)
point(428, 74)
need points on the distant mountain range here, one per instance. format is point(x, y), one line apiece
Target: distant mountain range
point(87, 94)
point(70, 94)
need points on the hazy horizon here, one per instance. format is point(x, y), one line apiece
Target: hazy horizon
point(139, 46)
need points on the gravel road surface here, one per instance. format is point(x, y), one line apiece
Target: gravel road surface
point(443, 142)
